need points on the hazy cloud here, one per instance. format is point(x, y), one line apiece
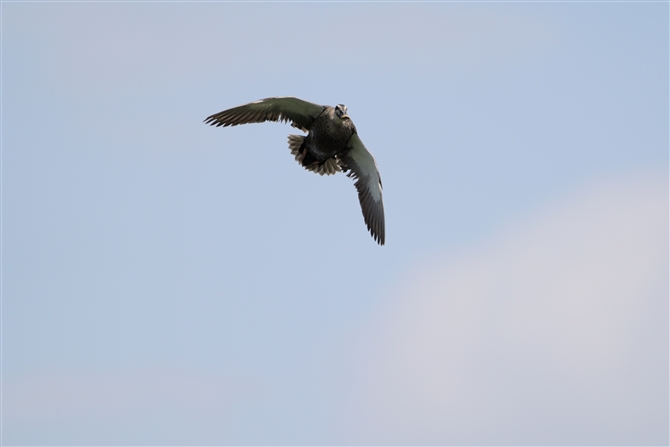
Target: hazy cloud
point(554, 332)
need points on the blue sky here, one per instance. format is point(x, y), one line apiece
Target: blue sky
point(165, 282)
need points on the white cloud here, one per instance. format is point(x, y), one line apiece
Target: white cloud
point(555, 332)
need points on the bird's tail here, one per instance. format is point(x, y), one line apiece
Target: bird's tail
point(296, 143)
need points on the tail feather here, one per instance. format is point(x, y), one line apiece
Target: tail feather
point(307, 160)
point(294, 144)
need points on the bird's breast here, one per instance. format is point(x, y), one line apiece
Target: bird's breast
point(326, 141)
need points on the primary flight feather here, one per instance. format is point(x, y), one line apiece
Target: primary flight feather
point(331, 145)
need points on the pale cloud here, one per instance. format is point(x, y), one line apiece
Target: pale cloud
point(554, 332)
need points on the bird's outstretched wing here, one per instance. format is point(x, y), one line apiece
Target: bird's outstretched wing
point(360, 165)
point(300, 113)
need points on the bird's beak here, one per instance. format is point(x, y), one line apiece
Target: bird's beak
point(345, 117)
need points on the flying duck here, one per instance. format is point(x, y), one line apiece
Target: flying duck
point(331, 145)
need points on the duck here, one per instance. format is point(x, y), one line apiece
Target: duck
point(331, 145)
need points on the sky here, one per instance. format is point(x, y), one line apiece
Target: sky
point(165, 282)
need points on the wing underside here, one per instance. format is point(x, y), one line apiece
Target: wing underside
point(299, 113)
point(361, 166)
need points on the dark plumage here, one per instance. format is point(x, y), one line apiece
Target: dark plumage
point(331, 145)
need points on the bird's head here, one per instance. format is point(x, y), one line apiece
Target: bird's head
point(341, 112)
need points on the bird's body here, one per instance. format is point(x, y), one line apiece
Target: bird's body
point(331, 145)
point(328, 137)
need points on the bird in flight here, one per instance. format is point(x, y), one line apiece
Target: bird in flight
point(331, 145)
